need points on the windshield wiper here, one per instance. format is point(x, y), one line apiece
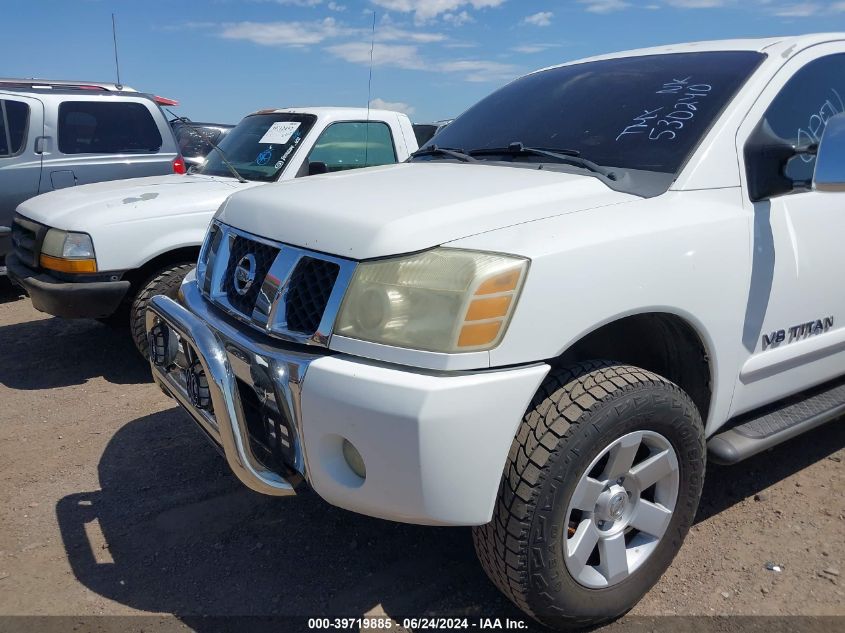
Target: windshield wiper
point(207, 138)
point(433, 150)
point(570, 156)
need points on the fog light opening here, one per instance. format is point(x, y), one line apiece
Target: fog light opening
point(163, 344)
point(353, 459)
point(197, 386)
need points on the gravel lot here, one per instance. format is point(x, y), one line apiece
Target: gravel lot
point(114, 504)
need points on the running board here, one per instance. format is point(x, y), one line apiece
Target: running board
point(762, 429)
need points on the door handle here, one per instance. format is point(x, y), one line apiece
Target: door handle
point(42, 144)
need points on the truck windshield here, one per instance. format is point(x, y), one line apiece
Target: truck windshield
point(634, 113)
point(260, 146)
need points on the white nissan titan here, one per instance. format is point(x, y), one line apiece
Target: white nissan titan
point(546, 322)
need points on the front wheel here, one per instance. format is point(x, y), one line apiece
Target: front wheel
point(601, 485)
point(164, 282)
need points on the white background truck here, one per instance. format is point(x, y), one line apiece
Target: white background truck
point(600, 277)
point(102, 250)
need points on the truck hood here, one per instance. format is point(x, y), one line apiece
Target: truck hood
point(383, 211)
point(87, 207)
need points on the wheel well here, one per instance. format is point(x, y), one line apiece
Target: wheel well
point(660, 342)
point(141, 275)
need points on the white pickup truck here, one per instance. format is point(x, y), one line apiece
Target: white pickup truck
point(540, 324)
point(102, 250)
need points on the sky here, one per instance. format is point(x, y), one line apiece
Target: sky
point(431, 58)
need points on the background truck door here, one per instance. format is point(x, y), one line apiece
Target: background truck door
point(21, 124)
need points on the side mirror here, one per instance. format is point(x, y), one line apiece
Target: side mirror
point(316, 168)
point(830, 162)
point(766, 156)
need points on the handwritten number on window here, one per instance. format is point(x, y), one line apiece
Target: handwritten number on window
point(666, 126)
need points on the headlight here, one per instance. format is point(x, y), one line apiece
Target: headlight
point(443, 300)
point(68, 252)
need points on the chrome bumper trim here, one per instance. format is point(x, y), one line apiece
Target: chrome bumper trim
point(227, 354)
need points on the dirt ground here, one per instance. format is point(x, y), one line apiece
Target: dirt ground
point(112, 503)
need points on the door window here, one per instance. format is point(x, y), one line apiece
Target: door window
point(88, 127)
point(14, 119)
point(354, 144)
point(801, 110)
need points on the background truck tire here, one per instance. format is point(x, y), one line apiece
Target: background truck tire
point(165, 282)
point(579, 412)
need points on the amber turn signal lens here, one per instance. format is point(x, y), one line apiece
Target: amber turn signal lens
point(491, 308)
point(479, 334)
point(68, 265)
point(504, 282)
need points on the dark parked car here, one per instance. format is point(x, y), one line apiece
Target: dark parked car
point(195, 139)
point(426, 131)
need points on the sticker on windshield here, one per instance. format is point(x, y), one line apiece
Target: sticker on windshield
point(280, 132)
point(264, 157)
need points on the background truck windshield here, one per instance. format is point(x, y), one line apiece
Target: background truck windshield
point(260, 146)
point(640, 113)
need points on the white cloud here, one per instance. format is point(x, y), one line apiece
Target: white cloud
point(398, 55)
point(300, 34)
point(458, 19)
point(389, 33)
point(291, 34)
point(478, 70)
point(543, 18)
point(798, 10)
point(605, 6)
point(334, 6)
point(428, 9)
point(398, 106)
point(297, 3)
point(533, 48)
point(697, 4)
point(408, 57)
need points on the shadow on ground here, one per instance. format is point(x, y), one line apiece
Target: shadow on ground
point(726, 485)
point(9, 292)
point(185, 537)
point(53, 352)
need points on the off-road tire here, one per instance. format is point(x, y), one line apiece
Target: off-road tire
point(579, 410)
point(165, 282)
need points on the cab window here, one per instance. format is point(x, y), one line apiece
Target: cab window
point(354, 144)
point(88, 127)
point(14, 118)
point(802, 108)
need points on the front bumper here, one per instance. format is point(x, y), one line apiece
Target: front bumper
point(71, 300)
point(434, 445)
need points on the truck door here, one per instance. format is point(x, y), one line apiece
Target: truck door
point(21, 124)
point(794, 332)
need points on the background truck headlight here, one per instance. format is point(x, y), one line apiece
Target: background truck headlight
point(68, 252)
point(443, 300)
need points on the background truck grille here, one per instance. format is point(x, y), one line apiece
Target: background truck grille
point(264, 255)
point(25, 241)
point(308, 293)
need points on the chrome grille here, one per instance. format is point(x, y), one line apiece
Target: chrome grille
point(264, 256)
point(294, 293)
point(310, 287)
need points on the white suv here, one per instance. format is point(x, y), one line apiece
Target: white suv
point(540, 325)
